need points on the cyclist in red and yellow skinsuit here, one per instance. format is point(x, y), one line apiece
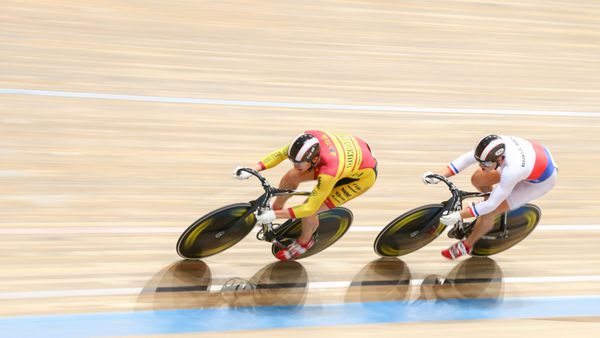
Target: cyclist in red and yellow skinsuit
point(343, 166)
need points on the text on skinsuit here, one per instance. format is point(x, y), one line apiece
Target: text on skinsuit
point(520, 151)
point(350, 151)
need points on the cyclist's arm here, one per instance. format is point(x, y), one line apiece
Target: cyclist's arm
point(321, 191)
point(272, 159)
point(498, 195)
point(460, 164)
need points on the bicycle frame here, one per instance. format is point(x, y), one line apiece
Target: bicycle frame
point(455, 204)
point(262, 203)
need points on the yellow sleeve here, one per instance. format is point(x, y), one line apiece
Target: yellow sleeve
point(321, 191)
point(274, 158)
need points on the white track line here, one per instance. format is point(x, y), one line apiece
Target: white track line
point(295, 105)
point(69, 293)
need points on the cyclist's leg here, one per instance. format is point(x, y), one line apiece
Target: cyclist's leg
point(304, 242)
point(484, 224)
point(291, 180)
point(523, 193)
point(484, 181)
point(343, 192)
point(352, 188)
point(310, 225)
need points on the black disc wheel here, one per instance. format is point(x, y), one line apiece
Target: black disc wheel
point(410, 231)
point(217, 231)
point(333, 224)
point(519, 222)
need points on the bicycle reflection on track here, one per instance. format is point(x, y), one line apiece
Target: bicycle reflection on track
point(187, 284)
point(277, 284)
point(474, 278)
point(384, 279)
point(181, 285)
point(389, 279)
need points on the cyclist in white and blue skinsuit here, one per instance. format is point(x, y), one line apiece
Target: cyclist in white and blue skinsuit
point(521, 171)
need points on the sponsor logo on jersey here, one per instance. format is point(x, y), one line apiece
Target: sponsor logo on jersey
point(350, 151)
point(346, 192)
point(329, 145)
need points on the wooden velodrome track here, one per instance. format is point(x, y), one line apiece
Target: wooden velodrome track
point(113, 140)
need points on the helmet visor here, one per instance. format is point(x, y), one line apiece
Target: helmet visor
point(486, 163)
point(301, 164)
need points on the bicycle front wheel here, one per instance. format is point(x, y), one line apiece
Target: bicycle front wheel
point(410, 231)
point(519, 223)
point(217, 231)
point(333, 224)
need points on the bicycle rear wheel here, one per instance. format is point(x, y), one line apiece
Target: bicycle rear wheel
point(410, 231)
point(213, 233)
point(519, 222)
point(333, 224)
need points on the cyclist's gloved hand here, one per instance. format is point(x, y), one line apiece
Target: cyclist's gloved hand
point(243, 175)
point(266, 217)
point(451, 218)
point(429, 180)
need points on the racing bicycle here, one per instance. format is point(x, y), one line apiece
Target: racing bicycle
point(418, 227)
point(222, 228)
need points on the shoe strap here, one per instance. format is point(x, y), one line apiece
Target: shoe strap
point(458, 249)
point(297, 249)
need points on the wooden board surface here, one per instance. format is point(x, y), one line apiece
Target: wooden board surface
point(95, 191)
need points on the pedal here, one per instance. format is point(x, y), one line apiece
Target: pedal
point(456, 233)
point(460, 232)
point(451, 234)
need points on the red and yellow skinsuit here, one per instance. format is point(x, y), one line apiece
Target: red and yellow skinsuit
point(346, 169)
